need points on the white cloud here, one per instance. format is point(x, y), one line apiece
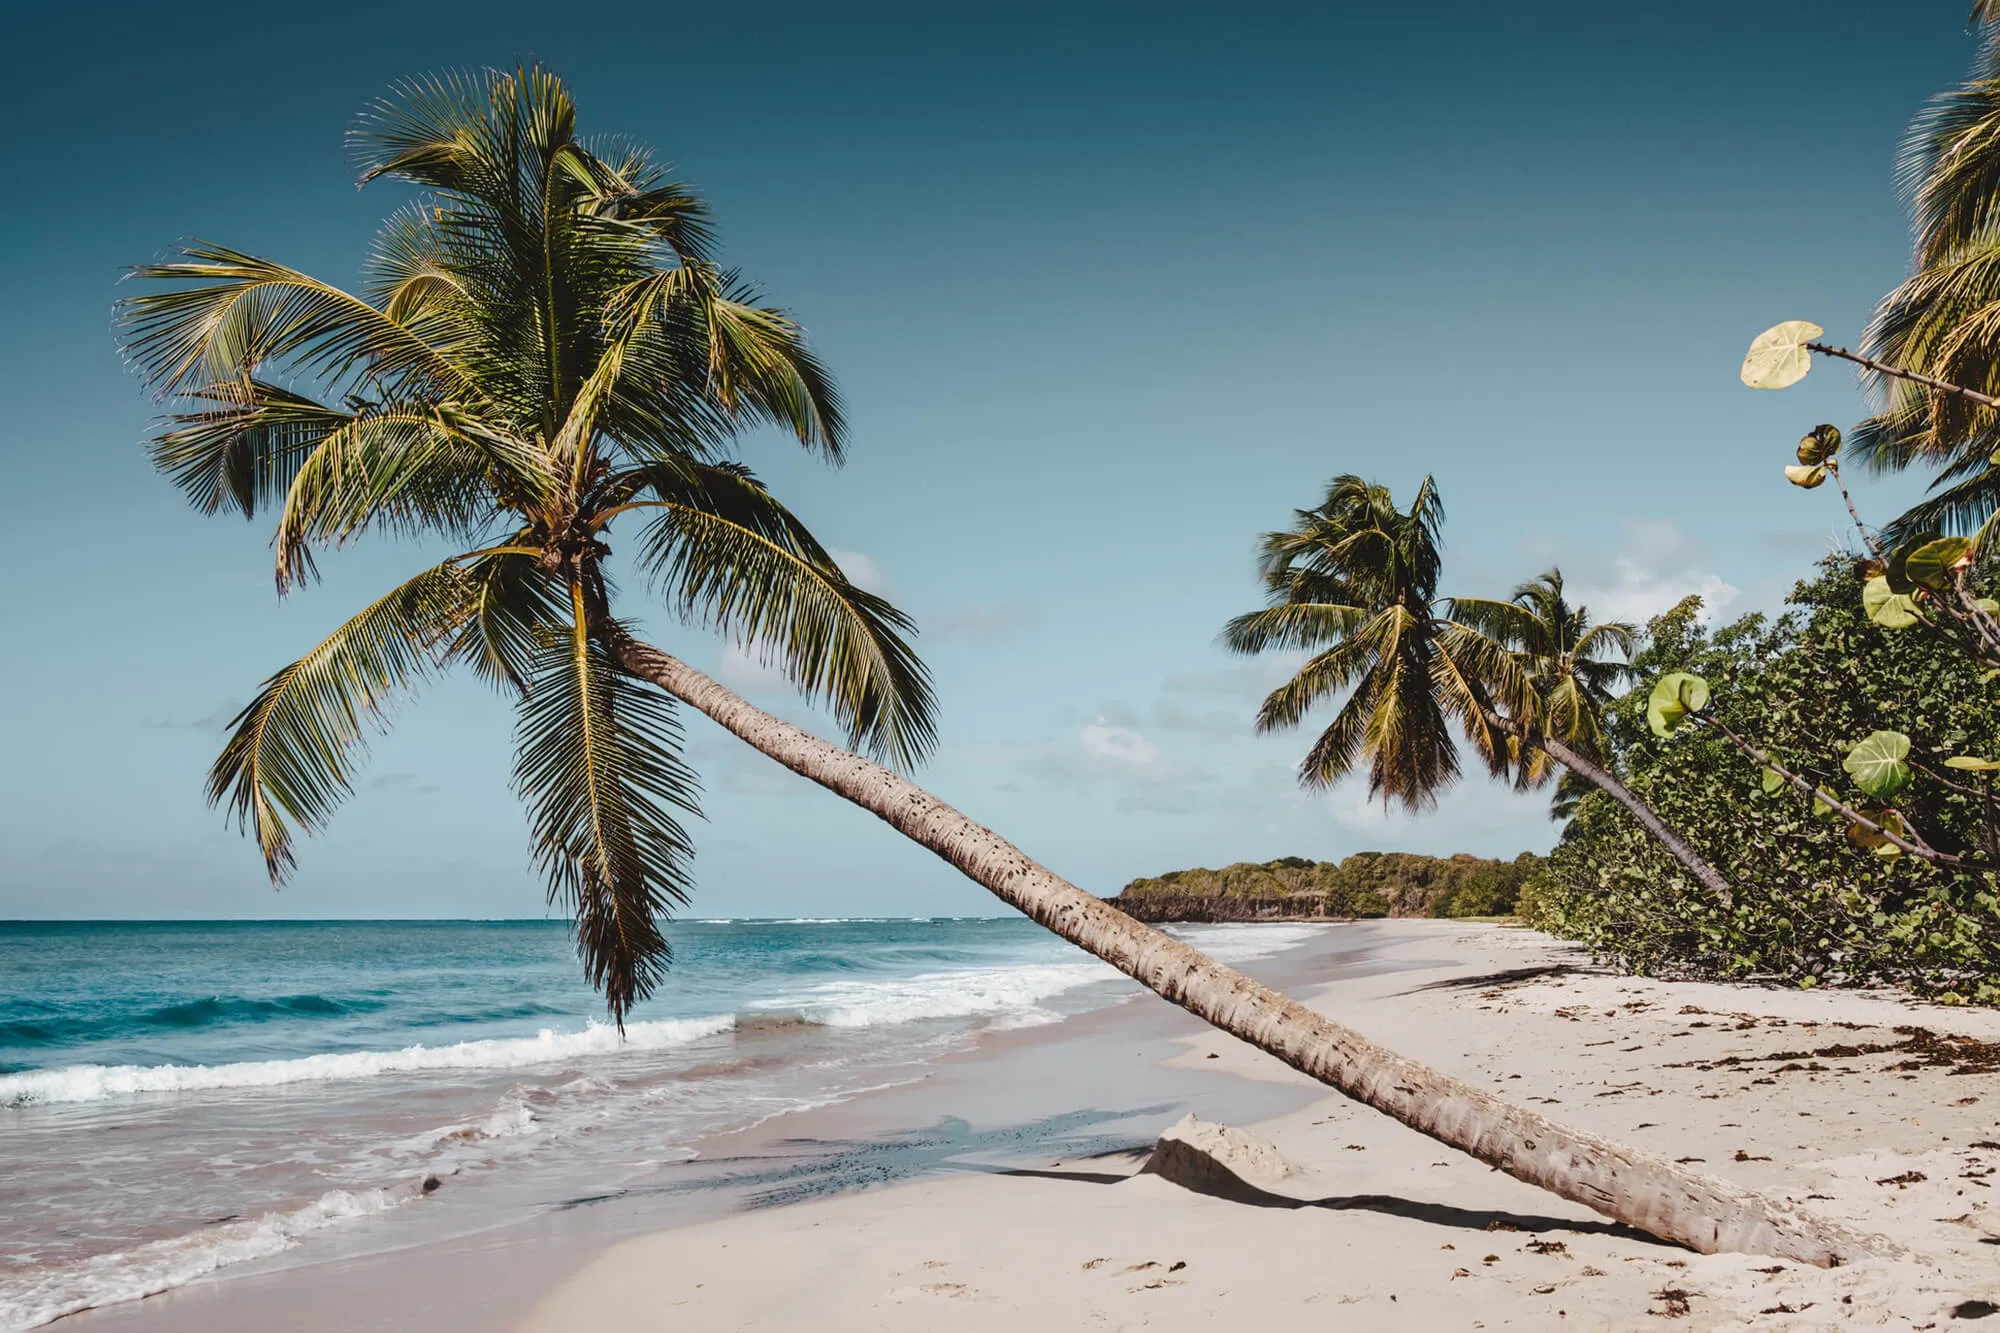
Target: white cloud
point(863, 571)
point(1659, 567)
point(1123, 746)
point(749, 671)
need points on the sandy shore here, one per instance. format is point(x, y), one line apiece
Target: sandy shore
point(1815, 1097)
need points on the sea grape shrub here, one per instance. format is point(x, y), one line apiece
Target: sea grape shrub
point(1810, 907)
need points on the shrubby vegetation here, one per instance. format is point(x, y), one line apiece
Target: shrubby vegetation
point(1366, 884)
point(1811, 902)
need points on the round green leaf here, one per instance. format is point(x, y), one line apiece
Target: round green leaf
point(1897, 566)
point(1971, 764)
point(1808, 477)
point(1778, 358)
point(1890, 610)
point(1823, 443)
point(1774, 782)
point(1674, 696)
point(1988, 605)
point(1931, 565)
point(1820, 799)
point(1877, 766)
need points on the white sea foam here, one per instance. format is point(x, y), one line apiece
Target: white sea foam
point(962, 993)
point(45, 1294)
point(90, 1083)
point(1243, 941)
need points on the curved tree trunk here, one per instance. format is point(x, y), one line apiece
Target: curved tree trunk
point(1698, 1211)
point(1607, 782)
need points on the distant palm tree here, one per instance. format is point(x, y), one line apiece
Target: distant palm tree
point(544, 346)
point(1567, 660)
point(1355, 579)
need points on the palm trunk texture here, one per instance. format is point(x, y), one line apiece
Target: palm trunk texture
point(1601, 778)
point(1701, 1212)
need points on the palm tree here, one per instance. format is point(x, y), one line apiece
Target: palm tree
point(1356, 579)
point(1567, 661)
point(544, 347)
point(1944, 320)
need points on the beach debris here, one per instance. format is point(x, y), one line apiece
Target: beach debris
point(1674, 1303)
point(1974, 1310)
point(1211, 1158)
point(431, 1185)
point(1904, 1181)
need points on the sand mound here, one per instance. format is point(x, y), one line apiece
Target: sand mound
point(1211, 1158)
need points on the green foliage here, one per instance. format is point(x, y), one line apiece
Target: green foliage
point(1877, 764)
point(1886, 607)
point(1672, 698)
point(1366, 884)
point(1811, 688)
point(1932, 564)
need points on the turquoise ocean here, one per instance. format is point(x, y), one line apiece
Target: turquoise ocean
point(178, 1097)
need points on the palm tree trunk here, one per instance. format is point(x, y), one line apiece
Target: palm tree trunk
point(1700, 1212)
point(1602, 778)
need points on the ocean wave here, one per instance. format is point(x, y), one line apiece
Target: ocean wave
point(47, 1294)
point(960, 993)
point(240, 1009)
point(89, 1083)
point(1244, 941)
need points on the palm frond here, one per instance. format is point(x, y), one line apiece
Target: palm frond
point(733, 558)
point(1292, 625)
point(1507, 623)
point(599, 765)
point(1321, 678)
point(289, 754)
point(243, 444)
point(512, 603)
point(229, 314)
point(404, 468)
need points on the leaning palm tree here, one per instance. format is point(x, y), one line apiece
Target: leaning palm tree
point(1567, 660)
point(1355, 580)
point(544, 348)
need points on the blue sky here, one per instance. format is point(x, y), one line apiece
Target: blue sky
point(1110, 290)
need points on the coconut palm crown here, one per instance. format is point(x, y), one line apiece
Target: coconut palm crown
point(1354, 580)
point(1566, 659)
point(543, 344)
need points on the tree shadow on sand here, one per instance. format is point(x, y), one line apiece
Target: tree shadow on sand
point(800, 1169)
point(1235, 1189)
point(795, 1170)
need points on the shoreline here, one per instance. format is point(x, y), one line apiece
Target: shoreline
point(1813, 1097)
point(994, 1191)
point(479, 1275)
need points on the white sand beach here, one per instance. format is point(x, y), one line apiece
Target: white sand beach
point(1811, 1096)
point(957, 1202)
